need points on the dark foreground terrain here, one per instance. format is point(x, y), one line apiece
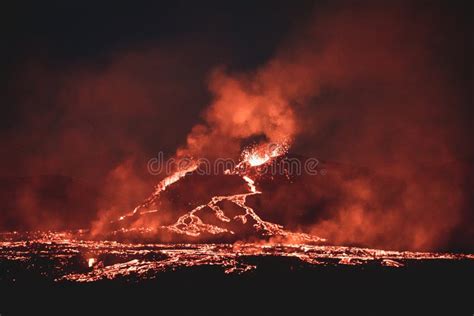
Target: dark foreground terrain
point(41, 270)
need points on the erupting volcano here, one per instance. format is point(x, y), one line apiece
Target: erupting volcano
point(277, 145)
point(172, 230)
point(244, 224)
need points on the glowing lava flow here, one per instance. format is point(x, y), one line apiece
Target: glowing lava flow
point(191, 224)
point(91, 262)
point(160, 187)
point(78, 259)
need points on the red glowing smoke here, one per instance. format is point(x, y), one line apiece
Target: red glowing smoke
point(360, 84)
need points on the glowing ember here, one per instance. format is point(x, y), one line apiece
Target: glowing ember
point(259, 155)
point(91, 262)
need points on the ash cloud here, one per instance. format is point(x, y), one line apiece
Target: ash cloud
point(377, 85)
point(384, 101)
point(363, 85)
point(99, 122)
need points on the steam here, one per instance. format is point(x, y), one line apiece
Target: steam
point(362, 85)
point(243, 108)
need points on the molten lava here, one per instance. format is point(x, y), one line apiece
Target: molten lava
point(191, 224)
point(79, 259)
point(91, 262)
point(160, 187)
point(259, 155)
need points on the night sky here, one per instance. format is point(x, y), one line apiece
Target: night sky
point(90, 88)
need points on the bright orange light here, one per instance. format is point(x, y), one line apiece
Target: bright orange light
point(90, 262)
point(251, 184)
point(256, 156)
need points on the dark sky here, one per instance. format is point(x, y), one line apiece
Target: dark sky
point(89, 30)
